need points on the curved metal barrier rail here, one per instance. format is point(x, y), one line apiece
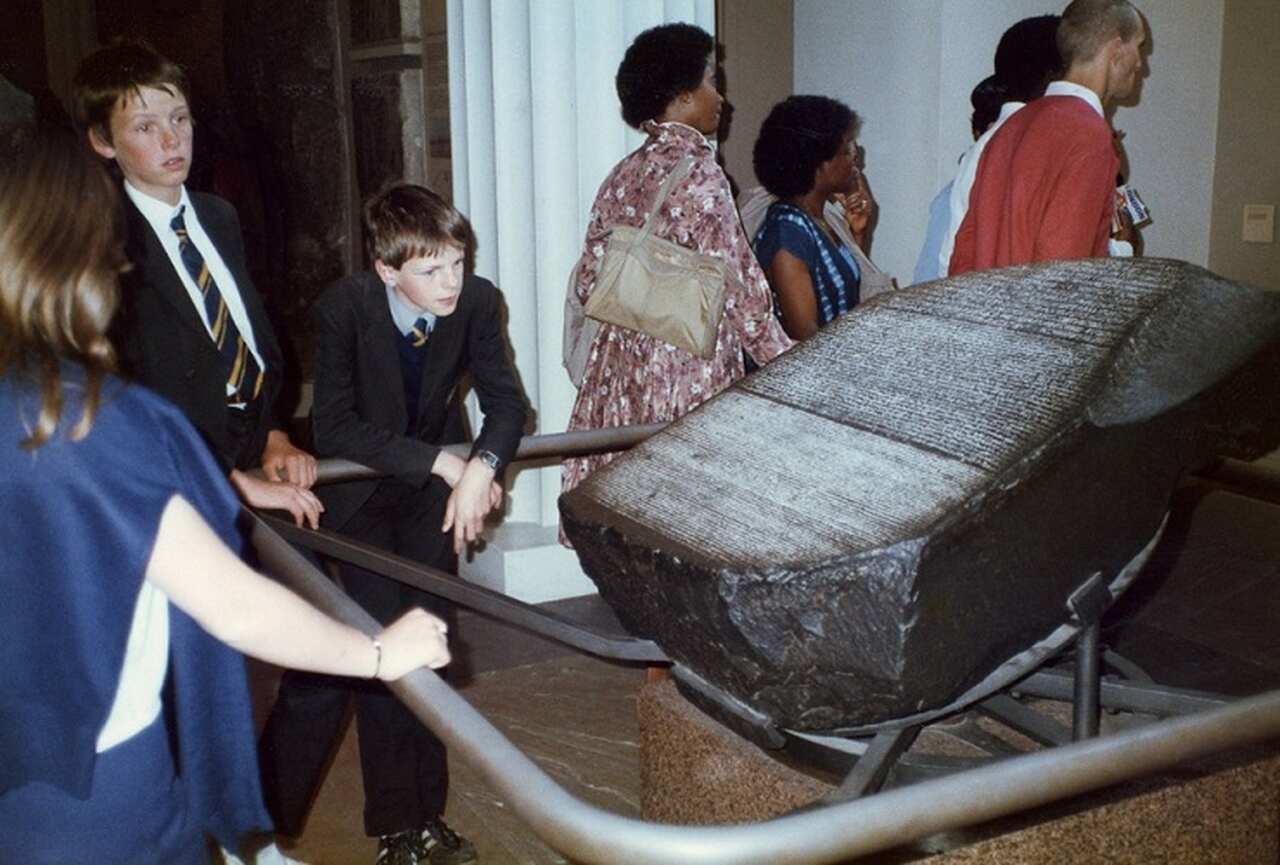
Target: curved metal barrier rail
point(1257, 479)
point(532, 447)
point(835, 833)
point(618, 647)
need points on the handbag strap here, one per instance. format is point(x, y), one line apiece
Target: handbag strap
point(682, 169)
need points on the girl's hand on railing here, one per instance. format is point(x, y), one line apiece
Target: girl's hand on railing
point(301, 503)
point(416, 639)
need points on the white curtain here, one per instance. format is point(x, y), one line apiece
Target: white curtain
point(536, 126)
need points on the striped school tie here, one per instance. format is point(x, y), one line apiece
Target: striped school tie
point(418, 334)
point(226, 336)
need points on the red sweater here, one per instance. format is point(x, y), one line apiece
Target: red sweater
point(1045, 189)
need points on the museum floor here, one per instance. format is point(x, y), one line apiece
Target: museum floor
point(1204, 615)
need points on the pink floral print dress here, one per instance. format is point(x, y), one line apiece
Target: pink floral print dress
point(634, 378)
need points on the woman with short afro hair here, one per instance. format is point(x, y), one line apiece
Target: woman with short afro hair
point(659, 65)
point(667, 86)
point(807, 156)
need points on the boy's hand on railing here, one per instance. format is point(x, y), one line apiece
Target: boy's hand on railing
point(282, 461)
point(471, 500)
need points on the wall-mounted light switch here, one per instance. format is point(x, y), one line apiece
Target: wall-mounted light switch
point(1259, 223)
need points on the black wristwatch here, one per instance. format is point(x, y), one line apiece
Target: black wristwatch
point(490, 459)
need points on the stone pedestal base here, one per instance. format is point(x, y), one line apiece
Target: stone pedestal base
point(694, 771)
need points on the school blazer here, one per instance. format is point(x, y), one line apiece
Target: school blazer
point(162, 342)
point(359, 408)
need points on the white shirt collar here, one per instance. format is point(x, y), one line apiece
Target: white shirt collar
point(404, 315)
point(1007, 110)
point(158, 213)
point(1070, 88)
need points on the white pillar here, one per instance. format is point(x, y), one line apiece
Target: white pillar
point(536, 126)
point(556, 213)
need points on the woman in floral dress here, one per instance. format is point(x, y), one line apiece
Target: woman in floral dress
point(667, 87)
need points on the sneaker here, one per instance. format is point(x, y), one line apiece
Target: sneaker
point(268, 854)
point(398, 849)
point(440, 845)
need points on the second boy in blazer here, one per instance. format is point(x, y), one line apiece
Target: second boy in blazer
point(393, 346)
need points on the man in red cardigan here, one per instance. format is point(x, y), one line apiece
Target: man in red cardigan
point(1045, 188)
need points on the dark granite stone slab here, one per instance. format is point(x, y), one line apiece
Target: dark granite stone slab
point(867, 529)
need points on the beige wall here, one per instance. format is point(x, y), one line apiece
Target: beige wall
point(1247, 170)
point(757, 40)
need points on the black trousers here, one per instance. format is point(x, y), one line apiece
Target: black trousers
point(245, 435)
point(403, 764)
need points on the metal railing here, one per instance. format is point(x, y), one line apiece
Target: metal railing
point(532, 447)
point(834, 833)
point(544, 623)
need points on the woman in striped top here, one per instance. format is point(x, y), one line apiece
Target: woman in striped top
point(807, 155)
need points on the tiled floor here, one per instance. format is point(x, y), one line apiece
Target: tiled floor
point(1205, 614)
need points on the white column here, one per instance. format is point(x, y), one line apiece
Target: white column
point(513, 244)
point(536, 127)
point(556, 198)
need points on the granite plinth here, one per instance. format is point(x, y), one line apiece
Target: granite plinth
point(886, 523)
point(694, 771)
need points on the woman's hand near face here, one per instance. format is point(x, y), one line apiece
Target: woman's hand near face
point(856, 206)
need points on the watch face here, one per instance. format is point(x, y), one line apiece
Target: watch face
point(489, 458)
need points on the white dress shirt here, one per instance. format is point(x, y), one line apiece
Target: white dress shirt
point(963, 185)
point(159, 216)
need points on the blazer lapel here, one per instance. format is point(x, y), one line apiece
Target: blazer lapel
point(147, 254)
point(378, 347)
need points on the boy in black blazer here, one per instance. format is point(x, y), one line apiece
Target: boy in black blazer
point(392, 346)
point(190, 324)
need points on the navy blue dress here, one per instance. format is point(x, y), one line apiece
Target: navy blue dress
point(79, 524)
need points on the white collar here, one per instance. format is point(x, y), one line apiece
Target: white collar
point(158, 213)
point(1070, 88)
point(1007, 110)
point(405, 315)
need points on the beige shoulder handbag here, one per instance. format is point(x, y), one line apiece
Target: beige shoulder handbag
point(579, 332)
point(658, 287)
